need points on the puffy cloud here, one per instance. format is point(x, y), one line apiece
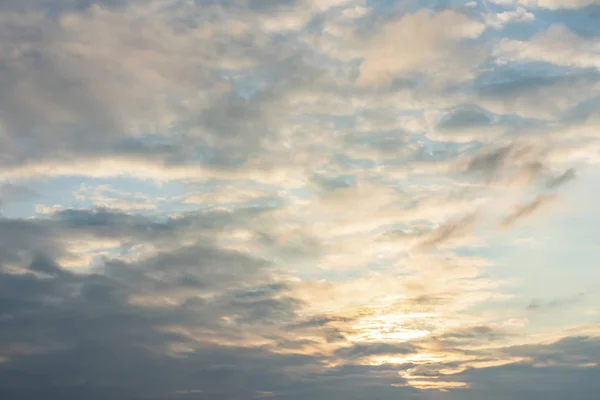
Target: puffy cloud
point(422, 42)
point(77, 102)
point(519, 15)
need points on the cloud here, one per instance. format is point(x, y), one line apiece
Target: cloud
point(278, 199)
point(557, 45)
point(471, 336)
point(394, 52)
point(525, 210)
point(540, 96)
point(105, 197)
point(561, 179)
point(514, 162)
point(468, 123)
point(536, 305)
point(451, 231)
point(105, 316)
point(558, 4)
point(519, 15)
point(75, 95)
point(374, 349)
point(557, 367)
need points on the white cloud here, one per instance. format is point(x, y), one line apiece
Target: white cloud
point(555, 4)
point(519, 15)
point(422, 42)
point(557, 45)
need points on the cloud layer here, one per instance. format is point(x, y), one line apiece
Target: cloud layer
point(298, 199)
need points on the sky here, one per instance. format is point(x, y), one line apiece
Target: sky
point(299, 199)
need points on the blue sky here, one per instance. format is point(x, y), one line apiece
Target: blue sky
point(299, 199)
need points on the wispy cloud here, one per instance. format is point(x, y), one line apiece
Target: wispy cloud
point(525, 210)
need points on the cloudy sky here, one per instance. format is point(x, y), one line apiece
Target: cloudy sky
point(299, 199)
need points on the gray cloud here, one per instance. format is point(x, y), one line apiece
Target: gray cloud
point(465, 118)
point(484, 333)
point(59, 6)
point(78, 333)
point(537, 305)
point(560, 180)
point(541, 96)
point(75, 107)
point(518, 158)
point(559, 378)
point(374, 349)
point(450, 231)
point(525, 210)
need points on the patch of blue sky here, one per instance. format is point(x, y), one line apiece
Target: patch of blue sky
point(515, 30)
point(62, 191)
point(343, 121)
point(583, 110)
point(23, 208)
point(49, 192)
point(383, 5)
point(335, 182)
point(246, 84)
point(401, 228)
point(440, 150)
point(583, 21)
point(346, 161)
point(550, 253)
point(384, 140)
point(516, 70)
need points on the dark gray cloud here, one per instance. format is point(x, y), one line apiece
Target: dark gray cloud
point(555, 369)
point(375, 349)
point(74, 333)
point(110, 333)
